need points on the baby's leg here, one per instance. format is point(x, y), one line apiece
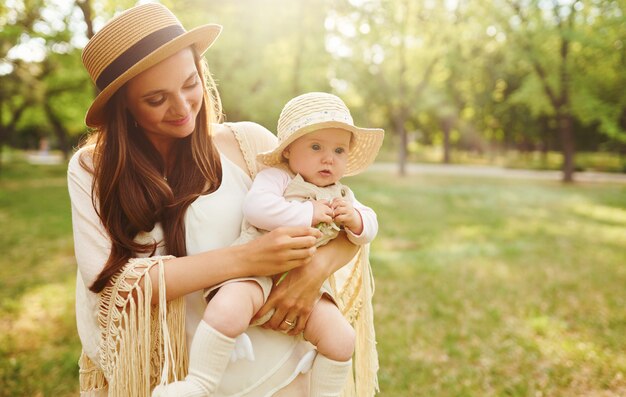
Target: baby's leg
point(329, 331)
point(334, 338)
point(227, 315)
point(232, 307)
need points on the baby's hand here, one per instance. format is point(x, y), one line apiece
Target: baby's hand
point(346, 215)
point(322, 213)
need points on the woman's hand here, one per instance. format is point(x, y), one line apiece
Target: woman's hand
point(273, 253)
point(280, 250)
point(294, 297)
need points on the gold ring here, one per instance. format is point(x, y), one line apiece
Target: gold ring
point(289, 323)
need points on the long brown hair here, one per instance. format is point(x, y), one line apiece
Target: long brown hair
point(129, 192)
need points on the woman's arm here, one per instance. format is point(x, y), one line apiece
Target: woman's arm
point(276, 252)
point(295, 296)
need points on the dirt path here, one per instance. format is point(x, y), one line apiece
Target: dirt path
point(499, 172)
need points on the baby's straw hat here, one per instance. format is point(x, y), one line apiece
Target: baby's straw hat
point(132, 42)
point(318, 110)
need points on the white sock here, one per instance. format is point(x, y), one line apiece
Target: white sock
point(209, 355)
point(328, 377)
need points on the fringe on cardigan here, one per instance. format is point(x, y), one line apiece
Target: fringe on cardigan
point(355, 302)
point(142, 345)
point(129, 368)
point(90, 377)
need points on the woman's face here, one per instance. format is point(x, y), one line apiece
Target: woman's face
point(165, 99)
point(320, 157)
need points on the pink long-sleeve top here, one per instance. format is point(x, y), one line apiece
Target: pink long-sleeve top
point(266, 208)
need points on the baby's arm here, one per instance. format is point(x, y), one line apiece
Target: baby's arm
point(266, 208)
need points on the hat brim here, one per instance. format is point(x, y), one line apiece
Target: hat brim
point(363, 150)
point(201, 38)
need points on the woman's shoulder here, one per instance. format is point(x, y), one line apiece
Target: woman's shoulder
point(80, 172)
point(248, 132)
point(242, 141)
point(82, 160)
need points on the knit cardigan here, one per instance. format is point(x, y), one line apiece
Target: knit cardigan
point(143, 345)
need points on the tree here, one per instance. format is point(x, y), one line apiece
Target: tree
point(67, 93)
point(548, 36)
point(16, 81)
point(63, 81)
point(602, 102)
point(522, 74)
point(269, 51)
point(388, 54)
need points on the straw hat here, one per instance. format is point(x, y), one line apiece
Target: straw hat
point(318, 110)
point(132, 42)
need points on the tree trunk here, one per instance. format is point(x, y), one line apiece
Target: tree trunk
point(85, 7)
point(566, 134)
point(446, 126)
point(7, 131)
point(399, 118)
point(2, 132)
point(404, 141)
point(403, 111)
point(545, 140)
point(59, 131)
point(1, 148)
point(299, 55)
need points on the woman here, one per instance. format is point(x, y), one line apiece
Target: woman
point(155, 151)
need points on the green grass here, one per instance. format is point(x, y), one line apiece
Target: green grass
point(495, 288)
point(485, 287)
point(38, 343)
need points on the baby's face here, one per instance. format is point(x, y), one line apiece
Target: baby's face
point(321, 156)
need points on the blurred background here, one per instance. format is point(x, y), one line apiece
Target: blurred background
point(521, 83)
point(489, 287)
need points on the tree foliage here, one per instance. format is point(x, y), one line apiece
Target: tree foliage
point(477, 76)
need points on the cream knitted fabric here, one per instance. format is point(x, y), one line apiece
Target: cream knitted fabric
point(142, 344)
point(328, 376)
point(354, 299)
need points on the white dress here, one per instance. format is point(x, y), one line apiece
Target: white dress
point(214, 221)
point(277, 355)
